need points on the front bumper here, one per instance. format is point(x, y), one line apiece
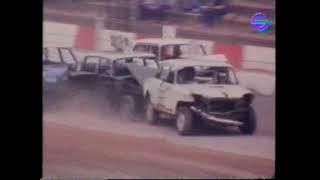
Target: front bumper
point(220, 119)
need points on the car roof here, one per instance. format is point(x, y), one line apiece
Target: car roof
point(117, 55)
point(177, 64)
point(163, 41)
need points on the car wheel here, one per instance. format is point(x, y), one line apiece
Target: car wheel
point(184, 120)
point(151, 114)
point(249, 124)
point(128, 108)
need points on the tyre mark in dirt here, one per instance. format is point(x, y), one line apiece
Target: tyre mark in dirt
point(141, 157)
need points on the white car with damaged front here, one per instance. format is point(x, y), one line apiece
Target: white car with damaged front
point(199, 92)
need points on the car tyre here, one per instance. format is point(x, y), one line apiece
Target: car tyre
point(184, 121)
point(249, 124)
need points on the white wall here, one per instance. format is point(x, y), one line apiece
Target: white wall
point(259, 58)
point(59, 34)
point(260, 83)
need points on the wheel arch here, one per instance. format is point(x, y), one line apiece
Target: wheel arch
point(182, 104)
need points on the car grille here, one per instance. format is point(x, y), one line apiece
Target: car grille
point(221, 105)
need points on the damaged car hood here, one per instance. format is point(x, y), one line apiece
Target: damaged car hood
point(216, 91)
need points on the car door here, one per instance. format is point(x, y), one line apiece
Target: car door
point(68, 58)
point(132, 85)
point(86, 78)
point(53, 56)
point(104, 72)
point(165, 92)
point(120, 72)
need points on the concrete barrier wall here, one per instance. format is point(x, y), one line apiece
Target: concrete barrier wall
point(259, 58)
point(82, 37)
point(263, 84)
point(59, 34)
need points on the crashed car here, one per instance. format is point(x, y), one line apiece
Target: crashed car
point(197, 92)
point(165, 49)
point(110, 74)
point(57, 61)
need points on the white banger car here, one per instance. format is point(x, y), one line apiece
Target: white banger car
point(166, 49)
point(199, 91)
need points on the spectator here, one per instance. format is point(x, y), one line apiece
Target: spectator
point(213, 12)
point(167, 4)
point(191, 5)
point(221, 8)
point(155, 9)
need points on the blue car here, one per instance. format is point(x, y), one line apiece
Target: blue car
point(57, 62)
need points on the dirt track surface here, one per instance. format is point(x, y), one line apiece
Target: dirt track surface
point(74, 152)
point(83, 138)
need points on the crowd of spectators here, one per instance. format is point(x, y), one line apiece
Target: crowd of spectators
point(210, 11)
point(155, 9)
